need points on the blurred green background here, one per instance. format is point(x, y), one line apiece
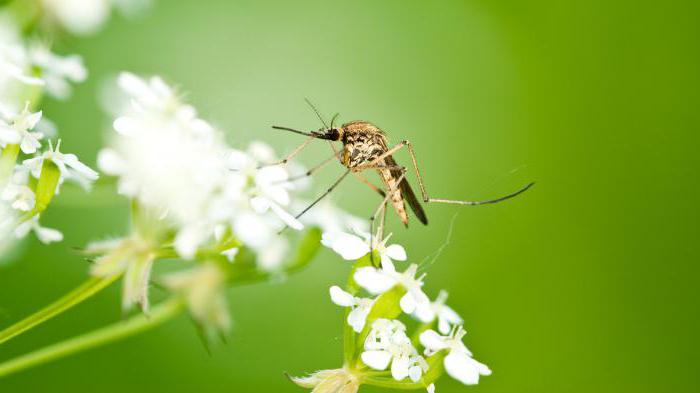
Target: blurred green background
point(588, 282)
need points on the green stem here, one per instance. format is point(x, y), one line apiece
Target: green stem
point(72, 298)
point(105, 335)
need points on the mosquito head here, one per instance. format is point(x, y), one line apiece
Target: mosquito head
point(331, 134)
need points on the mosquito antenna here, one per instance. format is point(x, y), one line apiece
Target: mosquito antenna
point(318, 114)
point(334, 119)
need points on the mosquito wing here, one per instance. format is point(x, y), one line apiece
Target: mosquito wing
point(407, 192)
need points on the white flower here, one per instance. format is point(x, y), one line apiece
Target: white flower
point(446, 316)
point(16, 129)
point(378, 281)
point(459, 363)
point(69, 165)
point(57, 71)
point(88, 16)
point(45, 235)
point(352, 247)
point(268, 187)
point(171, 162)
point(360, 307)
point(204, 290)
point(387, 343)
point(20, 196)
point(132, 257)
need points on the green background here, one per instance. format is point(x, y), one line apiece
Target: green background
point(586, 283)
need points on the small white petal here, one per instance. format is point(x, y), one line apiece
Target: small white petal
point(288, 219)
point(357, 318)
point(396, 252)
point(373, 280)
point(378, 360)
point(48, 235)
point(415, 373)
point(340, 297)
point(464, 369)
point(399, 367)
point(431, 388)
point(432, 341)
point(349, 247)
point(408, 303)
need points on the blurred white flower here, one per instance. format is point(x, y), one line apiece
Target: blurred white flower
point(133, 257)
point(352, 247)
point(45, 235)
point(387, 343)
point(16, 129)
point(268, 187)
point(84, 17)
point(446, 316)
point(459, 363)
point(170, 161)
point(57, 72)
point(203, 288)
point(360, 307)
point(20, 196)
point(69, 165)
point(78, 16)
point(377, 281)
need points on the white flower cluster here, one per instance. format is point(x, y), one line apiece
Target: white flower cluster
point(170, 160)
point(28, 70)
point(204, 199)
point(387, 343)
point(86, 16)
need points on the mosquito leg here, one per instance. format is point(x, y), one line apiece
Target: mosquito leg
point(380, 208)
point(369, 184)
point(290, 155)
point(328, 191)
point(310, 171)
point(427, 198)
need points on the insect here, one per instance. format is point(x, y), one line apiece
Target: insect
point(365, 147)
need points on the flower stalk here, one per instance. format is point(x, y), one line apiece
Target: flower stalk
point(83, 292)
point(102, 336)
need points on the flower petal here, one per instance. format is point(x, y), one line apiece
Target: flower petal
point(432, 341)
point(396, 252)
point(464, 369)
point(340, 297)
point(373, 280)
point(399, 367)
point(378, 360)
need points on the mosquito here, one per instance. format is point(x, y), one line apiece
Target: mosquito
point(364, 148)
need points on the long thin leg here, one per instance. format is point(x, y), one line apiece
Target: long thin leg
point(290, 155)
point(311, 171)
point(369, 184)
point(328, 191)
point(380, 209)
point(427, 198)
point(423, 191)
